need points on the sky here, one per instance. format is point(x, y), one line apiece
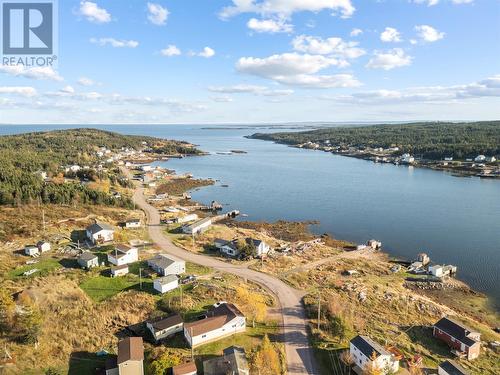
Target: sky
point(263, 61)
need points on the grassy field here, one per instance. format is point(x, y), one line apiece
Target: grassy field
point(100, 288)
point(44, 265)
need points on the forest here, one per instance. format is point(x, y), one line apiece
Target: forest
point(426, 140)
point(23, 155)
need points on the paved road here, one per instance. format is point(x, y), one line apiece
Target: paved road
point(299, 354)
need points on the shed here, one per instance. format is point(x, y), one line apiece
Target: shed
point(166, 283)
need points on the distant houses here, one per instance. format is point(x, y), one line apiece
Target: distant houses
point(165, 284)
point(463, 340)
point(451, 368)
point(167, 265)
point(233, 361)
point(130, 359)
point(368, 354)
point(232, 248)
point(165, 326)
point(88, 260)
point(123, 254)
point(99, 233)
point(221, 321)
point(228, 248)
point(133, 223)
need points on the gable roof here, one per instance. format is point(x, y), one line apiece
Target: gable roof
point(164, 322)
point(130, 349)
point(97, 227)
point(167, 279)
point(367, 346)
point(185, 368)
point(456, 329)
point(453, 368)
point(197, 223)
point(232, 362)
point(87, 256)
point(163, 261)
point(216, 318)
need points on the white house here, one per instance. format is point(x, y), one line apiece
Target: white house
point(43, 246)
point(436, 270)
point(31, 250)
point(163, 327)
point(367, 353)
point(198, 226)
point(133, 223)
point(407, 158)
point(88, 260)
point(261, 248)
point(166, 283)
point(490, 159)
point(130, 359)
point(119, 270)
point(167, 265)
point(146, 168)
point(451, 368)
point(100, 232)
point(480, 159)
point(221, 321)
point(228, 248)
point(187, 218)
point(123, 254)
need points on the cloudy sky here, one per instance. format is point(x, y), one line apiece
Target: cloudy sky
point(242, 61)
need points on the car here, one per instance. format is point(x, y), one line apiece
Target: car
point(188, 279)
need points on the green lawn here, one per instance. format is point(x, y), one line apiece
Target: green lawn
point(100, 288)
point(196, 269)
point(44, 266)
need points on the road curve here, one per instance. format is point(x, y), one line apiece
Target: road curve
point(299, 354)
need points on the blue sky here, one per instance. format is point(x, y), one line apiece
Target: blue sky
point(224, 61)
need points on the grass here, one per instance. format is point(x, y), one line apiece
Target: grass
point(196, 269)
point(44, 266)
point(101, 288)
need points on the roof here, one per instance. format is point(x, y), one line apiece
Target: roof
point(232, 362)
point(199, 222)
point(164, 322)
point(216, 318)
point(456, 329)
point(117, 268)
point(254, 241)
point(167, 279)
point(185, 368)
point(133, 221)
point(453, 368)
point(367, 346)
point(163, 261)
point(121, 250)
point(87, 255)
point(130, 349)
point(111, 362)
point(123, 247)
point(97, 227)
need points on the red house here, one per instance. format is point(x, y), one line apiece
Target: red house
point(463, 340)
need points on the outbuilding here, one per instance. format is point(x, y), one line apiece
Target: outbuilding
point(43, 246)
point(166, 283)
point(88, 260)
point(119, 270)
point(31, 250)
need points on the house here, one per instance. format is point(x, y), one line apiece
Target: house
point(166, 283)
point(424, 258)
point(233, 361)
point(480, 159)
point(123, 254)
point(221, 321)
point(367, 353)
point(88, 260)
point(146, 168)
point(186, 219)
point(462, 339)
point(448, 158)
point(165, 326)
point(407, 159)
point(167, 265)
point(261, 248)
point(490, 159)
point(451, 368)
point(100, 232)
point(133, 223)
point(119, 270)
point(229, 248)
point(436, 271)
point(43, 246)
point(185, 369)
point(198, 226)
point(31, 250)
point(374, 244)
point(130, 358)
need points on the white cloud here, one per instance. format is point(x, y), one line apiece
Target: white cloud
point(68, 90)
point(356, 32)
point(435, 2)
point(249, 89)
point(171, 50)
point(18, 90)
point(84, 81)
point(222, 99)
point(93, 13)
point(286, 8)
point(391, 59)
point(390, 34)
point(330, 46)
point(270, 26)
point(39, 73)
point(157, 14)
point(206, 53)
point(321, 81)
point(116, 43)
point(428, 33)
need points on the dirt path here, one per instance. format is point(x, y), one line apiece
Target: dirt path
point(299, 354)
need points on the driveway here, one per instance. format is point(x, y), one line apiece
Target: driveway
point(299, 354)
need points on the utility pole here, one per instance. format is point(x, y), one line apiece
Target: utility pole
point(140, 277)
point(43, 220)
point(180, 286)
point(319, 310)
point(192, 349)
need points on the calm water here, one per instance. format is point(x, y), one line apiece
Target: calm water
point(455, 220)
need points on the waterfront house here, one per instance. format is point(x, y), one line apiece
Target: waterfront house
point(222, 320)
point(186, 219)
point(463, 340)
point(31, 250)
point(88, 260)
point(167, 265)
point(133, 223)
point(99, 233)
point(451, 368)
point(423, 258)
point(233, 361)
point(119, 270)
point(261, 248)
point(374, 244)
point(188, 368)
point(228, 248)
point(490, 159)
point(367, 353)
point(123, 254)
point(407, 159)
point(165, 326)
point(198, 226)
point(43, 246)
point(130, 358)
point(480, 159)
point(166, 283)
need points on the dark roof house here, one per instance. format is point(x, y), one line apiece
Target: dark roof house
point(462, 339)
point(451, 368)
